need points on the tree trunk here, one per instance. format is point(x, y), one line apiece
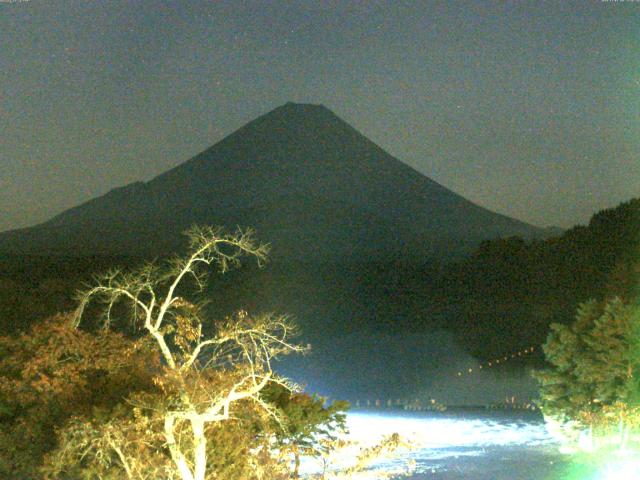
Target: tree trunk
point(296, 460)
point(624, 436)
point(176, 455)
point(200, 449)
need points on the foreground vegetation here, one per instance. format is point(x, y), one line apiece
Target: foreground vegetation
point(153, 389)
point(590, 393)
point(178, 397)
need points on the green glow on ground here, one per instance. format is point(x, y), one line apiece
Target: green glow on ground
point(602, 467)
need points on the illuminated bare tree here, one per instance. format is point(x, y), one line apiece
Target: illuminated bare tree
point(204, 375)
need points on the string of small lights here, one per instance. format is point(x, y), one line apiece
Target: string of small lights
point(433, 405)
point(498, 361)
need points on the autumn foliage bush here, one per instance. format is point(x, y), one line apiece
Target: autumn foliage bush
point(182, 397)
point(55, 372)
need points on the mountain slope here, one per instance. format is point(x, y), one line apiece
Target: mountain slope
point(307, 181)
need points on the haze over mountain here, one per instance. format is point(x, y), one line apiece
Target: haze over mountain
point(311, 185)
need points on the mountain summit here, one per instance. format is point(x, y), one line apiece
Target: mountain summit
point(311, 185)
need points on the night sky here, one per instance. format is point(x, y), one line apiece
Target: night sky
point(531, 109)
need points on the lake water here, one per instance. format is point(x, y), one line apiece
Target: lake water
point(469, 445)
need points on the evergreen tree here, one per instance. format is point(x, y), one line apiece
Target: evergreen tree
point(592, 382)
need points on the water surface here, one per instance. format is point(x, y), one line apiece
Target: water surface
point(469, 445)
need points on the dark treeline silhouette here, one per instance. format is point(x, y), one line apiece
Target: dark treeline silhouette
point(33, 287)
point(509, 290)
point(502, 297)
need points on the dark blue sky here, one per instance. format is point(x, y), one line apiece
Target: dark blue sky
point(531, 109)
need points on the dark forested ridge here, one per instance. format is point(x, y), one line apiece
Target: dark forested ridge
point(500, 298)
point(33, 287)
point(509, 290)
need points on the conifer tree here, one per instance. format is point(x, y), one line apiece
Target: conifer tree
point(592, 382)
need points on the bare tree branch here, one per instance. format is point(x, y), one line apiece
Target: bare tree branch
point(241, 348)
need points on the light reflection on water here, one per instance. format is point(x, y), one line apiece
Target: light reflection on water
point(470, 446)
